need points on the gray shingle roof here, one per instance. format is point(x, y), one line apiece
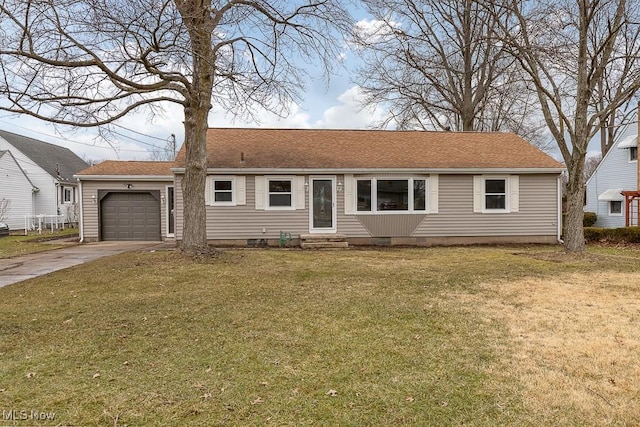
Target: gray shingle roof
point(54, 159)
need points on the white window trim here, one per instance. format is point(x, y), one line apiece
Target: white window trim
point(630, 159)
point(430, 195)
point(615, 213)
point(212, 190)
point(64, 193)
point(267, 200)
point(238, 190)
point(512, 194)
point(167, 210)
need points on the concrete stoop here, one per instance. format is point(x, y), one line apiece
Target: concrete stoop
point(323, 241)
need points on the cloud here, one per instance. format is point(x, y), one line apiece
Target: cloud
point(350, 114)
point(345, 112)
point(374, 30)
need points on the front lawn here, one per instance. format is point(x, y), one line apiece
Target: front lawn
point(440, 336)
point(16, 245)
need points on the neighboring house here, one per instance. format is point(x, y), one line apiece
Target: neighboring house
point(17, 193)
point(617, 172)
point(50, 169)
point(369, 187)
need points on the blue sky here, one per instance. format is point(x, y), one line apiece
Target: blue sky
point(333, 105)
point(324, 105)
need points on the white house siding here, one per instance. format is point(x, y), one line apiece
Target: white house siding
point(90, 205)
point(17, 189)
point(45, 200)
point(614, 172)
point(537, 216)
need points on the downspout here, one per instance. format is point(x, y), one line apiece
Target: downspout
point(81, 220)
point(559, 231)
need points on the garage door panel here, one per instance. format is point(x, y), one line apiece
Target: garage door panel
point(130, 216)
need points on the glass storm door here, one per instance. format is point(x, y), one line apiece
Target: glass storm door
point(323, 205)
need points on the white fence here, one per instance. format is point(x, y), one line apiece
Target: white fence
point(43, 222)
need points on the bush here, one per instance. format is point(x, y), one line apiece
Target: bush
point(615, 235)
point(589, 219)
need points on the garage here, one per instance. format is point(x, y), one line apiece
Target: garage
point(132, 215)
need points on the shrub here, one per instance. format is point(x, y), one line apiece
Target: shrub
point(589, 219)
point(615, 235)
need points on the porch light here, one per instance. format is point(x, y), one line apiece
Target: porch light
point(339, 186)
point(93, 198)
point(306, 186)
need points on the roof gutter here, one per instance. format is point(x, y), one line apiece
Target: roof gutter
point(124, 177)
point(457, 171)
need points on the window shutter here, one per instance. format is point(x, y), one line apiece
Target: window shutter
point(349, 198)
point(240, 190)
point(433, 193)
point(207, 191)
point(514, 193)
point(478, 192)
point(299, 192)
point(261, 187)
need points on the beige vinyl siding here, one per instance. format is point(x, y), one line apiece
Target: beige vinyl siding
point(90, 207)
point(537, 216)
point(245, 222)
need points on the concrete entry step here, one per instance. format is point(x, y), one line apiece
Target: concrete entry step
point(323, 241)
point(324, 245)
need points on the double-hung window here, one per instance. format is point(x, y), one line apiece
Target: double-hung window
point(280, 193)
point(67, 196)
point(496, 194)
point(382, 195)
point(633, 154)
point(226, 190)
point(222, 191)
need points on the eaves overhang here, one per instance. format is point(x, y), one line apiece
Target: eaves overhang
point(312, 171)
point(124, 177)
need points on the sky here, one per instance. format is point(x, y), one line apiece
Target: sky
point(335, 104)
point(332, 104)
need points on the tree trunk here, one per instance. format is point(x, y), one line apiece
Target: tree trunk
point(573, 229)
point(197, 18)
point(194, 237)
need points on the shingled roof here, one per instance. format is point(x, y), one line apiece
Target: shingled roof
point(57, 161)
point(231, 148)
point(129, 168)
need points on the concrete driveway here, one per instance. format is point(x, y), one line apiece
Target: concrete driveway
point(13, 270)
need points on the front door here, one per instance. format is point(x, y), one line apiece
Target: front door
point(323, 205)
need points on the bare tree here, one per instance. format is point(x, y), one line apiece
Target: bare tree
point(166, 152)
point(91, 62)
point(590, 165)
point(570, 50)
point(438, 65)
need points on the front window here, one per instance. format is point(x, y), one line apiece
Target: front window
point(223, 191)
point(615, 207)
point(67, 195)
point(364, 195)
point(495, 194)
point(391, 195)
point(633, 154)
point(280, 193)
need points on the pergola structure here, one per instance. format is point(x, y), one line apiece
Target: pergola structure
point(629, 198)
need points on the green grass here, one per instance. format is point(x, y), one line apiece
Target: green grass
point(16, 245)
point(273, 337)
